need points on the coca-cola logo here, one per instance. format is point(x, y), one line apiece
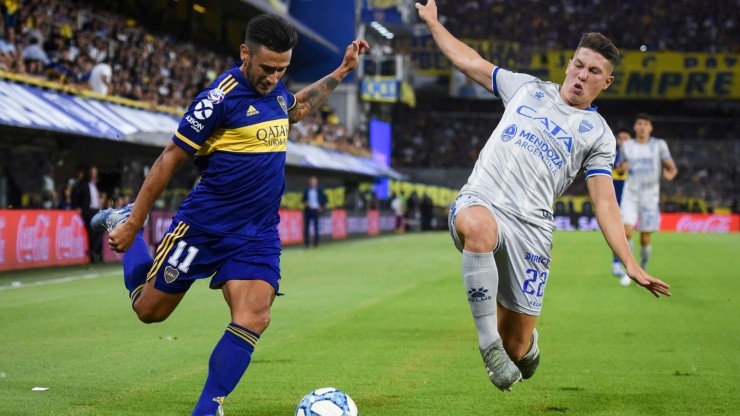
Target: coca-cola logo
point(710, 224)
point(33, 242)
point(70, 238)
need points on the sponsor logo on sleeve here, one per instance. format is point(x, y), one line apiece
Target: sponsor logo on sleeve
point(216, 96)
point(203, 109)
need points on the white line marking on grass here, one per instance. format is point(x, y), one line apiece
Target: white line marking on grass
point(19, 285)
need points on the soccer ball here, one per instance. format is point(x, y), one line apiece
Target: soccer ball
point(326, 401)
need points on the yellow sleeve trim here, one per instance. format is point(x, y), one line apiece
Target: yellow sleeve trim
point(187, 141)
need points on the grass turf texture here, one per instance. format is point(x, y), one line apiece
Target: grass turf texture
point(386, 320)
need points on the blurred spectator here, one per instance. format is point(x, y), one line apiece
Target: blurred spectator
point(314, 202)
point(86, 200)
point(65, 201)
point(101, 78)
point(34, 56)
point(397, 205)
point(426, 210)
point(10, 10)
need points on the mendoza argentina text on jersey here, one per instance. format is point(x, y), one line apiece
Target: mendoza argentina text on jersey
point(537, 149)
point(239, 140)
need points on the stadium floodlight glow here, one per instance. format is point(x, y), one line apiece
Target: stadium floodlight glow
point(382, 30)
point(199, 8)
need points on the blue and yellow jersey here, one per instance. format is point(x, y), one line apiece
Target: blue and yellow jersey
point(239, 139)
point(618, 179)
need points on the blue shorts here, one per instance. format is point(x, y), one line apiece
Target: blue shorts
point(186, 254)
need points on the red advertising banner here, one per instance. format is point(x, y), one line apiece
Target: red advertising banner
point(39, 238)
point(291, 226)
point(373, 222)
point(699, 223)
point(339, 224)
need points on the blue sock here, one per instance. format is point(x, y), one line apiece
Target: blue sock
point(229, 360)
point(136, 264)
point(615, 259)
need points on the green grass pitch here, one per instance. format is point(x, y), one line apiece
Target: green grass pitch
point(386, 320)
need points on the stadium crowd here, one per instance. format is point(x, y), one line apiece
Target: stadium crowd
point(678, 25)
point(69, 43)
point(65, 41)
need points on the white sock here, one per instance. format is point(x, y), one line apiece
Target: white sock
point(645, 256)
point(480, 276)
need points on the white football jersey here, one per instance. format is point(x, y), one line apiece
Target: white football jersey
point(537, 149)
point(645, 168)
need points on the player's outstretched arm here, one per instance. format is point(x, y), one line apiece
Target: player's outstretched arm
point(601, 190)
point(313, 96)
point(465, 58)
point(159, 176)
point(669, 169)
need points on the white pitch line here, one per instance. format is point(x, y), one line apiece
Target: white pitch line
point(19, 285)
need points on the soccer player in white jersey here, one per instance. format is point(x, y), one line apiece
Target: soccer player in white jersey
point(502, 220)
point(646, 159)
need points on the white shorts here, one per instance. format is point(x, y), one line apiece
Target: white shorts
point(641, 216)
point(522, 256)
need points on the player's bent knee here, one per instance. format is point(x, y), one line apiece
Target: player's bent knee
point(151, 318)
point(149, 315)
point(478, 230)
point(257, 322)
point(480, 240)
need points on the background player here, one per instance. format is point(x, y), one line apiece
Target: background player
point(226, 229)
point(502, 220)
point(619, 174)
point(646, 159)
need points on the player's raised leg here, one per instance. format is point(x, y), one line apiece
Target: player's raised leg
point(137, 261)
point(478, 232)
point(249, 301)
point(520, 339)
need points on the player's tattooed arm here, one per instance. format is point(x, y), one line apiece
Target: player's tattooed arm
point(312, 97)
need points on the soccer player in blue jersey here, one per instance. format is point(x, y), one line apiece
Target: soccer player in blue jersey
point(502, 220)
point(619, 174)
point(226, 230)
